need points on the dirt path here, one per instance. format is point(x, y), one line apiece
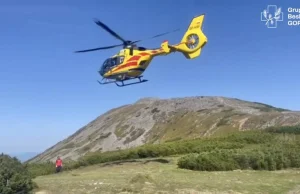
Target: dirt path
point(43, 192)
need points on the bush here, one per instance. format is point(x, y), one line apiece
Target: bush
point(247, 142)
point(206, 162)
point(285, 129)
point(39, 169)
point(14, 177)
point(275, 158)
point(156, 150)
point(250, 137)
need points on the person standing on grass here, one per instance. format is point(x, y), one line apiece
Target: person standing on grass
point(58, 164)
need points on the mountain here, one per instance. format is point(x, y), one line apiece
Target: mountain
point(153, 120)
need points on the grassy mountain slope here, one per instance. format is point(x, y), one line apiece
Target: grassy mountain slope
point(163, 176)
point(152, 120)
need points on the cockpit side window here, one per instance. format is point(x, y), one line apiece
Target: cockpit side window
point(112, 62)
point(121, 59)
point(105, 63)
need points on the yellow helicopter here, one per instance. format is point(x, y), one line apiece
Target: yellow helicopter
point(132, 60)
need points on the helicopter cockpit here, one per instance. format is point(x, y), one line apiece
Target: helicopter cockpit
point(110, 63)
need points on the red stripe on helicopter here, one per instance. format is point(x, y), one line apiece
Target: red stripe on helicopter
point(144, 54)
point(126, 65)
point(137, 57)
point(134, 58)
point(135, 63)
point(156, 51)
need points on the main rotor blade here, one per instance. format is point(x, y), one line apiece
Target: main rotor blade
point(109, 30)
point(158, 35)
point(164, 33)
point(99, 48)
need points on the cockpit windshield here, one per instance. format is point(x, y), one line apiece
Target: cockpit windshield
point(111, 63)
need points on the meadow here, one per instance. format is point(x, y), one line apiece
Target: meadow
point(241, 162)
point(162, 175)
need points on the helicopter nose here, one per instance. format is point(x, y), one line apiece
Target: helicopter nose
point(101, 71)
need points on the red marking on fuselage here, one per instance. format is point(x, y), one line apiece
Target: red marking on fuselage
point(144, 54)
point(126, 65)
point(134, 58)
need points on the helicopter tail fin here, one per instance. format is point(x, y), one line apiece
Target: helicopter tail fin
point(193, 40)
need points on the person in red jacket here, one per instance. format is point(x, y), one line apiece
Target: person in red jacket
point(58, 164)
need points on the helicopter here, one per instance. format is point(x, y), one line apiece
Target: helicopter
point(132, 61)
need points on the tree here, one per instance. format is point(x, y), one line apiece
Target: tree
point(14, 177)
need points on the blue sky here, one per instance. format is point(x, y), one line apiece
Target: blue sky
point(48, 92)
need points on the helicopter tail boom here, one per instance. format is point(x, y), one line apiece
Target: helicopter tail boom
point(193, 40)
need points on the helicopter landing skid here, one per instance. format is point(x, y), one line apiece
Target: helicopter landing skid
point(122, 81)
point(138, 82)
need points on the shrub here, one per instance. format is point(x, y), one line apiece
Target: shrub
point(275, 158)
point(244, 148)
point(14, 177)
point(251, 137)
point(285, 129)
point(206, 162)
point(39, 169)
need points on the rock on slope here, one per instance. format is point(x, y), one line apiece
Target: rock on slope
point(151, 120)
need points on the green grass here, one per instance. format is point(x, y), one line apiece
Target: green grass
point(250, 143)
point(154, 176)
point(188, 125)
point(269, 161)
point(285, 129)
